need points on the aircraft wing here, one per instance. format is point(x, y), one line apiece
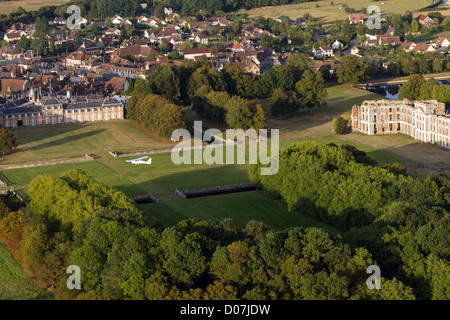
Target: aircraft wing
point(149, 161)
point(138, 159)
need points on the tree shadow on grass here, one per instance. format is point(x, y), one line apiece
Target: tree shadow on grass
point(215, 175)
point(61, 141)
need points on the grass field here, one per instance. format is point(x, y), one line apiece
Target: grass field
point(163, 177)
point(10, 6)
point(14, 283)
point(327, 12)
point(432, 37)
point(67, 140)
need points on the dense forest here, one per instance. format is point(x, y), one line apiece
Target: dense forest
point(402, 221)
point(130, 8)
point(229, 97)
point(384, 217)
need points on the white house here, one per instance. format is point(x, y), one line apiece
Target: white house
point(112, 32)
point(356, 50)
point(116, 19)
point(120, 21)
point(143, 20)
point(14, 35)
point(193, 53)
point(442, 43)
point(337, 45)
point(324, 51)
point(423, 47)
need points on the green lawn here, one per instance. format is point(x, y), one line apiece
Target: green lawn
point(163, 177)
point(22, 177)
point(69, 140)
point(14, 283)
point(240, 207)
point(381, 156)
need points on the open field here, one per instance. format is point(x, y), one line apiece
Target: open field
point(327, 12)
point(163, 177)
point(14, 283)
point(29, 5)
point(240, 207)
point(67, 140)
point(432, 37)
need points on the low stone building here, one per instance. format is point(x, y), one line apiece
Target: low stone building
point(425, 121)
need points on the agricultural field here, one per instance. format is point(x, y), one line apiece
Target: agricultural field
point(328, 11)
point(14, 283)
point(10, 6)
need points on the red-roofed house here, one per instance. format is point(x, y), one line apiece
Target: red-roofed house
point(423, 47)
point(424, 19)
point(356, 18)
point(14, 35)
point(117, 84)
point(442, 43)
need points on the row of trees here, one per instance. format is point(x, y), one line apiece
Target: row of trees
point(130, 8)
point(309, 92)
point(155, 113)
point(290, 88)
point(232, 111)
point(403, 221)
point(121, 257)
point(417, 88)
point(222, 95)
point(7, 141)
point(219, 96)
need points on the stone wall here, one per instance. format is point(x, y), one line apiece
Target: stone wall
point(234, 188)
point(147, 198)
point(117, 154)
point(86, 157)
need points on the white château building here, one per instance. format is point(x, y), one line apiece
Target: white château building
point(425, 121)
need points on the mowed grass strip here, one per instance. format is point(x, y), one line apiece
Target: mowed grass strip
point(14, 283)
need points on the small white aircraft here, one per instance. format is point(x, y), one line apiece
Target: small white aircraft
point(139, 161)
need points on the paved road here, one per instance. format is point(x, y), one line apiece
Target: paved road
point(351, 45)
